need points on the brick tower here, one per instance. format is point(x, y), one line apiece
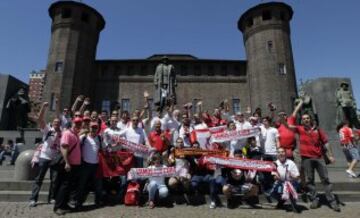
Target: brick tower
point(70, 68)
point(270, 65)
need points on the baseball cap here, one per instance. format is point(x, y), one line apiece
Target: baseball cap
point(77, 120)
point(86, 118)
point(93, 124)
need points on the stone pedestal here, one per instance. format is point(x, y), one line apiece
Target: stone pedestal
point(23, 169)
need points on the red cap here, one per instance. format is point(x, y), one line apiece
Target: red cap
point(77, 120)
point(94, 124)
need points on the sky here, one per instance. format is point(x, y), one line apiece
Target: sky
point(325, 34)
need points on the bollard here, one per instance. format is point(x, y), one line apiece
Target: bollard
point(23, 169)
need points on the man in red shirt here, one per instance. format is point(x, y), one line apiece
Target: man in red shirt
point(313, 141)
point(159, 139)
point(287, 135)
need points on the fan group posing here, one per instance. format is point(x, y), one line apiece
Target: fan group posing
point(170, 138)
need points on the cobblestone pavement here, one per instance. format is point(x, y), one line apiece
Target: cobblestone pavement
point(21, 210)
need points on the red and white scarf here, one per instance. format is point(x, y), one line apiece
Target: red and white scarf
point(136, 173)
point(288, 191)
point(235, 135)
point(202, 136)
point(239, 163)
point(139, 148)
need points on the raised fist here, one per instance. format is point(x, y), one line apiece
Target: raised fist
point(87, 101)
point(146, 94)
point(80, 98)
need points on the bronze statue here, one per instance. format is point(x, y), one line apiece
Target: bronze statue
point(18, 108)
point(165, 84)
point(346, 106)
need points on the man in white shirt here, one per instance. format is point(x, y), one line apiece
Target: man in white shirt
point(124, 121)
point(110, 132)
point(286, 170)
point(136, 135)
point(269, 139)
point(50, 147)
point(240, 122)
point(90, 145)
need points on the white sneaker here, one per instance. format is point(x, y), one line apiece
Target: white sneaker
point(212, 205)
point(351, 173)
point(32, 203)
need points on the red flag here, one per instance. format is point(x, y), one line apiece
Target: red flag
point(115, 163)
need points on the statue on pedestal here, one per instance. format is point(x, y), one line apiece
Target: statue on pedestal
point(307, 108)
point(346, 106)
point(165, 84)
point(18, 108)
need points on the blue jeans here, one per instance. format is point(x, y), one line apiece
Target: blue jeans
point(36, 187)
point(215, 184)
point(139, 162)
point(153, 188)
point(278, 188)
point(13, 155)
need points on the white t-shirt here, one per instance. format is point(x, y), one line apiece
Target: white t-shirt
point(65, 121)
point(90, 149)
point(51, 144)
point(137, 136)
point(269, 138)
point(185, 136)
point(108, 133)
point(122, 125)
point(170, 123)
point(243, 125)
point(291, 169)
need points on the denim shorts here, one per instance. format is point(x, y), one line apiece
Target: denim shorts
point(354, 152)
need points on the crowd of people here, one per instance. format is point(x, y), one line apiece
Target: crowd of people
point(79, 135)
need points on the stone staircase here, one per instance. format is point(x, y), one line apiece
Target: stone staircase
point(347, 189)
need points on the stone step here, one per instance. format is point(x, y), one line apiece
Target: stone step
point(23, 196)
point(352, 184)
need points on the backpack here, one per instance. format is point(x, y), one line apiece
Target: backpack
point(132, 196)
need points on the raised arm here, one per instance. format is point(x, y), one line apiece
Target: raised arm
point(84, 105)
point(297, 108)
point(41, 119)
point(74, 107)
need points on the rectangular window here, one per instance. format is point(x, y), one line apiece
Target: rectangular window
point(266, 15)
point(269, 46)
point(53, 102)
point(224, 71)
point(211, 70)
point(282, 69)
point(85, 17)
point(125, 104)
point(184, 70)
point(105, 106)
point(197, 70)
point(59, 66)
point(236, 105)
point(249, 22)
point(66, 13)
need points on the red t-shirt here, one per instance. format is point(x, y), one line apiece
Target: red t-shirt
point(346, 135)
point(310, 140)
point(287, 137)
point(156, 141)
point(70, 140)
